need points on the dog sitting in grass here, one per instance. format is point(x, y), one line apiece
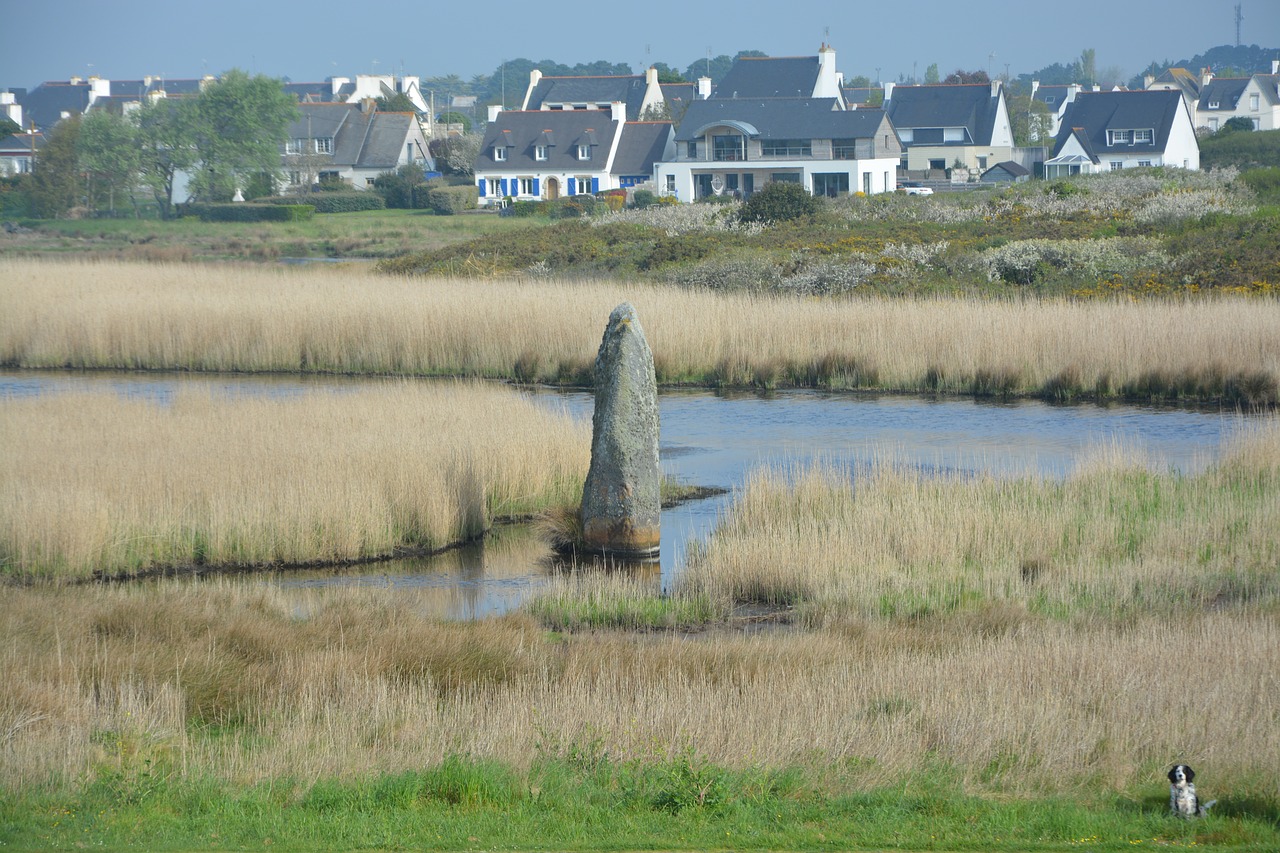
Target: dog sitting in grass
point(1183, 800)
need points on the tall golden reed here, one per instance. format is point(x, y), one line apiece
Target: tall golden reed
point(1115, 537)
point(84, 314)
point(94, 482)
point(249, 682)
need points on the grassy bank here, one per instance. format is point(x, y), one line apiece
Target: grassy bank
point(166, 713)
point(188, 317)
point(352, 236)
point(95, 484)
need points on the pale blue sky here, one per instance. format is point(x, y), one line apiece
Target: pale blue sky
point(309, 41)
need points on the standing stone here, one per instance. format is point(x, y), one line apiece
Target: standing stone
point(621, 500)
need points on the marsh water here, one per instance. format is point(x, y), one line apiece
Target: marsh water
point(718, 439)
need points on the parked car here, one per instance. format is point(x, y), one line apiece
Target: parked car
point(914, 188)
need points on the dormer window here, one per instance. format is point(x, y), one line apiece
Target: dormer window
point(540, 152)
point(1213, 105)
point(1119, 137)
point(294, 146)
point(1143, 137)
point(324, 145)
point(584, 152)
point(499, 153)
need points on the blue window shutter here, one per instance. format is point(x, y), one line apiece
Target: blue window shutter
point(537, 186)
point(595, 185)
point(573, 186)
point(504, 187)
point(480, 183)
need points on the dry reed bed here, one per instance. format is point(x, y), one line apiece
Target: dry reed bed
point(97, 483)
point(248, 683)
point(1113, 537)
point(239, 318)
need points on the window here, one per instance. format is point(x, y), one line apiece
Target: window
point(692, 149)
point(938, 164)
point(324, 145)
point(584, 184)
point(1257, 124)
point(671, 183)
point(787, 147)
point(1119, 137)
point(785, 178)
point(982, 162)
point(1213, 105)
point(540, 152)
point(295, 178)
point(495, 186)
point(1144, 163)
point(1116, 165)
point(1049, 99)
point(294, 146)
point(1253, 103)
point(846, 149)
point(584, 152)
point(728, 147)
point(499, 153)
point(1143, 137)
point(526, 186)
point(831, 184)
point(1213, 125)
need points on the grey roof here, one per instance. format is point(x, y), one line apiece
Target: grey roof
point(769, 77)
point(311, 93)
point(519, 131)
point(1006, 167)
point(1053, 96)
point(1092, 114)
point(780, 118)
point(643, 143)
point(362, 140)
point(20, 144)
point(968, 105)
point(590, 90)
point(861, 94)
point(1223, 93)
point(46, 103)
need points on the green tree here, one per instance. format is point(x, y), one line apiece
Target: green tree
point(55, 181)
point(242, 124)
point(397, 102)
point(778, 201)
point(962, 76)
point(166, 145)
point(455, 117)
point(1030, 119)
point(1089, 66)
point(1236, 124)
point(931, 74)
point(667, 74)
point(109, 157)
point(719, 66)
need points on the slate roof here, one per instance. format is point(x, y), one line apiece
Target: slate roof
point(360, 140)
point(628, 89)
point(19, 144)
point(967, 105)
point(1053, 96)
point(1006, 167)
point(561, 130)
point(1223, 93)
point(311, 93)
point(643, 143)
point(861, 94)
point(1187, 82)
point(780, 118)
point(769, 77)
point(1092, 114)
point(46, 103)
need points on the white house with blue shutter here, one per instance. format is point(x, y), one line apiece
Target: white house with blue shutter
point(537, 155)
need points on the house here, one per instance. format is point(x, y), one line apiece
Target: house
point(18, 153)
point(1107, 131)
point(1255, 98)
point(678, 96)
point(352, 142)
point(11, 106)
point(1056, 100)
point(1180, 80)
point(784, 77)
point(546, 154)
point(345, 90)
point(736, 145)
point(942, 125)
point(1007, 172)
point(640, 93)
point(52, 101)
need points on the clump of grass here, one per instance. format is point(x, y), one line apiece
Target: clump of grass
point(96, 484)
point(617, 601)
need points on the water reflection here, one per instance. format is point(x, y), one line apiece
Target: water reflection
point(715, 439)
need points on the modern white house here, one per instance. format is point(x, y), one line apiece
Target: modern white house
point(737, 145)
point(1255, 98)
point(1109, 131)
point(537, 155)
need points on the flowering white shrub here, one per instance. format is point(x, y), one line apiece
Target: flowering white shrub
point(829, 277)
point(676, 219)
point(1025, 261)
point(921, 254)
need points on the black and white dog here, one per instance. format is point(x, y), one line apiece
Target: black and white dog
point(1182, 793)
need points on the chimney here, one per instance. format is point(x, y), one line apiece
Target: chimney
point(651, 76)
point(704, 87)
point(1205, 76)
point(368, 105)
point(888, 92)
point(336, 84)
point(75, 81)
point(618, 111)
point(995, 88)
point(828, 85)
point(1035, 87)
point(1275, 66)
point(494, 109)
point(1147, 80)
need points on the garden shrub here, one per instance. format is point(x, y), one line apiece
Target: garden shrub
point(348, 202)
point(643, 198)
point(246, 212)
point(450, 200)
point(778, 202)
